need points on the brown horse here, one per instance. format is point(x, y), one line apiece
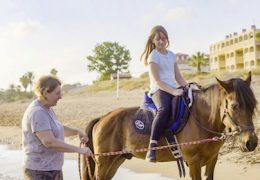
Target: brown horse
point(227, 104)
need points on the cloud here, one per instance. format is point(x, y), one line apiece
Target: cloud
point(21, 29)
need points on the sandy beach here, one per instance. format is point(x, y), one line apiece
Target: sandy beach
point(78, 109)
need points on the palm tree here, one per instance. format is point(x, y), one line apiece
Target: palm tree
point(30, 76)
point(53, 72)
point(199, 59)
point(24, 81)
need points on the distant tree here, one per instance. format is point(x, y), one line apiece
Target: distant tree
point(108, 58)
point(257, 36)
point(53, 72)
point(18, 89)
point(30, 76)
point(199, 59)
point(12, 87)
point(24, 81)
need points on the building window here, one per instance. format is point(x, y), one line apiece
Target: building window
point(251, 35)
point(251, 49)
point(227, 43)
point(231, 41)
point(246, 50)
point(236, 40)
point(240, 38)
point(232, 54)
point(252, 63)
point(223, 45)
point(227, 55)
point(245, 37)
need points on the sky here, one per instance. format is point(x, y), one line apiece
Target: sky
point(38, 35)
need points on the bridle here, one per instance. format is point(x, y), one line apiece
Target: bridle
point(238, 129)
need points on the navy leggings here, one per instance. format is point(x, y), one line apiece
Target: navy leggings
point(162, 101)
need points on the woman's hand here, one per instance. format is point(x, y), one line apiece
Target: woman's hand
point(85, 150)
point(83, 137)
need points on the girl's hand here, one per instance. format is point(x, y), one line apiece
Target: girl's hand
point(177, 92)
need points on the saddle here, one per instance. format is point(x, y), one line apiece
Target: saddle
point(181, 106)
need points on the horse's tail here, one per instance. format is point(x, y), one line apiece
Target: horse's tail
point(84, 174)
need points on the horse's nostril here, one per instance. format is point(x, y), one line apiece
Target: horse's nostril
point(250, 145)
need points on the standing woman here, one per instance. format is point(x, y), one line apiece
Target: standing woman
point(43, 134)
point(163, 74)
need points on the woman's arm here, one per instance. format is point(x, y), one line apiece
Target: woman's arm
point(154, 69)
point(68, 131)
point(178, 76)
point(48, 140)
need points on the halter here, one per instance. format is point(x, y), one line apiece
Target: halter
point(233, 122)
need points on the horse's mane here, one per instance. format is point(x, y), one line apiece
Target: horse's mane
point(210, 96)
point(244, 95)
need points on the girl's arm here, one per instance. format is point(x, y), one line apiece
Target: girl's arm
point(178, 76)
point(154, 69)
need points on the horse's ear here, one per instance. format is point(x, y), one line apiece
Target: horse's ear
point(248, 79)
point(227, 86)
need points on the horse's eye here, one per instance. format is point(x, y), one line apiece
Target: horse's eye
point(234, 106)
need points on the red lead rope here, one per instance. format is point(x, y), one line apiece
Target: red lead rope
point(202, 141)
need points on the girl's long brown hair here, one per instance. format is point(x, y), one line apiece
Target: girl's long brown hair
point(150, 45)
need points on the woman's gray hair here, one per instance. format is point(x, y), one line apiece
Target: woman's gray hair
point(46, 84)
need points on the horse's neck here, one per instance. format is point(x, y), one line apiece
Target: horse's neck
point(207, 108)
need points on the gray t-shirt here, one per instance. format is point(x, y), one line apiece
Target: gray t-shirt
point(36, 156)
point(165, 64)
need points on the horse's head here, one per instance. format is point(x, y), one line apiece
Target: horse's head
point(237, 110)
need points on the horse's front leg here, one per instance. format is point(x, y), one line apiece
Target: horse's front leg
point(106, 167)
point(195, 170)
point(209, 173)
point(102, 167)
